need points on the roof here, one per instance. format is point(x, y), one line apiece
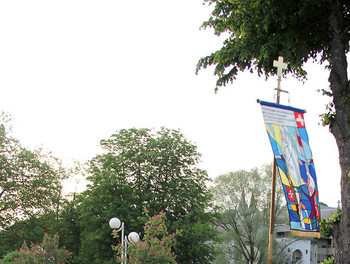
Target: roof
point(326, 212)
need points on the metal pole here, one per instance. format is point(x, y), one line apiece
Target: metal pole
point(114, 223)
point(280, 66)
point(126, 249)
point(272, 211)
point(123, 253)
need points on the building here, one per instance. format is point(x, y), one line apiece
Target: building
point(307, 250)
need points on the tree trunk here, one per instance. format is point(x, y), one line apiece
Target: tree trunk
point(340, 126)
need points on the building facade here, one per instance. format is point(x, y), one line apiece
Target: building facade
point(307, 250)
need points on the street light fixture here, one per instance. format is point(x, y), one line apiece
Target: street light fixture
point(133, 237)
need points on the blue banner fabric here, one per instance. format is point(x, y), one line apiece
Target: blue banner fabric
point(290, 144)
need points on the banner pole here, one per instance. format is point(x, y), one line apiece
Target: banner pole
point(272, 211)
point(280, 66)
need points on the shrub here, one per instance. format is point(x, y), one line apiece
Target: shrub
point(156, 245)
point(45, 253)
point(328, 261)
point(10, 257)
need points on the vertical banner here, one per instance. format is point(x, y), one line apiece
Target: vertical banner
point(290, 144)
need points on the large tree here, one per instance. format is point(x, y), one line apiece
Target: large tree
point(242, 199)
point(30, 181)
point(258, 31)
point(157, 170)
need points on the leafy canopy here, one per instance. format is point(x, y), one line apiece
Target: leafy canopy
point(30, 181)
point(258, 31)
point(242, 199)
point(153, 169)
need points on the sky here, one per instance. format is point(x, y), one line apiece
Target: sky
point(72, 72)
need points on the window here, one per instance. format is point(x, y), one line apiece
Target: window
point(297, 256)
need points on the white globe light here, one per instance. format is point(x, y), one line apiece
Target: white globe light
point(114, 223)
point(133, 237)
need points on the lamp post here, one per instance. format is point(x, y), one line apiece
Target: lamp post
point(133, 237)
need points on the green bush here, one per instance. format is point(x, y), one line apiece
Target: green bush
point(155, 247)
point(326, 224)
point(10, 257)
point(45, 253)
point(328, 261)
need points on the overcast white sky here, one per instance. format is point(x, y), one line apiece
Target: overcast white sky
point(72, 72)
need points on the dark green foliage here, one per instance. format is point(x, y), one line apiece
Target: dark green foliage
point(257, 32)
point(34, 228)
point(31, 229)
point(327, 224)
point(107, 197)
point(153, 169)
point(29, 180)
point(10, 257)
point(193, 245)
point(69, 227)
point(30, 191)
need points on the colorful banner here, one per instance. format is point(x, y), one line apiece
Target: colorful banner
point(290, 144)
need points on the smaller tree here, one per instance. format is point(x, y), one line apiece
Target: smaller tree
point(30, 181)
point(156, 246)
point(242, 199)
point(45, 253)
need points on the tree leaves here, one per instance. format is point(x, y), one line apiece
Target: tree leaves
point(29, 180)
point(153, 169)
point(258, 31)
point(242, 200)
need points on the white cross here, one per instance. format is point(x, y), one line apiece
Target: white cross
point(280, 66)
point(291, 194)
point(300, 120)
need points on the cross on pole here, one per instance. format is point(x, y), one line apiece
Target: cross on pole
point(280, 65)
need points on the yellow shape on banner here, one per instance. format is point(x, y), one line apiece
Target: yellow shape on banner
point(293, 207)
